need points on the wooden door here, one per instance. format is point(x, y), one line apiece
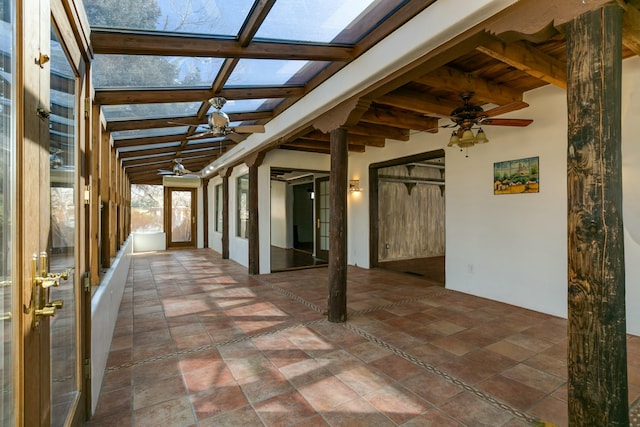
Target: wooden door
point(48, 175)
point(322, 218)
point(180, 217)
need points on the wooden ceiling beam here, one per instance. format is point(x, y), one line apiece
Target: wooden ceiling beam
point(145, 96)
point(527, 58)
point(132, 42)
point(631, 29)
point(484, 91)
point(371, 130)
point(381, 115)
point(119, 125)
point(408, 99)
point(355, 139)
point(314, 144)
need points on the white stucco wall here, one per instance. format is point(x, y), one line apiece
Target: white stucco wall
point(279, 214)
point(510, 248)
point(513, 248)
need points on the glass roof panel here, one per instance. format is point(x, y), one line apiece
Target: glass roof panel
point(273, 72)
point(212, 17)
point(326, 21)
point(149, 147)
point(249, 105)
point(154, 71)
point(150, 111)
point(144, 133)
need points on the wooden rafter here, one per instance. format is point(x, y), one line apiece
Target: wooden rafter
point(145, 96)
point(525, 57)
point(484, 90)
point(132, 42)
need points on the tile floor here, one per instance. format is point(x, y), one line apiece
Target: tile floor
point(198, 342)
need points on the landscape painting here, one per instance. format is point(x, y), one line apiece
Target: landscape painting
point(517, 176)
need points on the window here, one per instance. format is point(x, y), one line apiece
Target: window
point(243, 206)
point(219, 208)
point(147, 208)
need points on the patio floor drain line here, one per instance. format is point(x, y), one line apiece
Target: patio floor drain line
point(434, 370)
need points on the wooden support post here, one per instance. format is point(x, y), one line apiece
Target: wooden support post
point(225, 212)
point(254, 162)
point(205, 213)
point(597, 355)
point(338, 226)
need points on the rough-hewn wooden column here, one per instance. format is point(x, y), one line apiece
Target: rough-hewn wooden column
point(254, 162)
point(597, 361)
point(225, 173)
point(337, 122)
point(338, 226)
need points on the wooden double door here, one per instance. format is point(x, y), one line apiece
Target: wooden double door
point(44, 309)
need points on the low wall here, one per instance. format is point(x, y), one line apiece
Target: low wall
point(146, 242)
point(105, 304)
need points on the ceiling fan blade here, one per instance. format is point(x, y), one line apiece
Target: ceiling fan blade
point(235, 137)
point(507, 108)
point(201, 135)
point(506, 122)
point(183, 124)
point(164, 172)
point(248, 129)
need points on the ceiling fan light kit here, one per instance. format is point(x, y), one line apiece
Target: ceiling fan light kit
point(468, 117)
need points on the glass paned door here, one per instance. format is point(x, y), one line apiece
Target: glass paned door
point(7, 191)
point(181, 230)
point(63, 148)
point(322, 218)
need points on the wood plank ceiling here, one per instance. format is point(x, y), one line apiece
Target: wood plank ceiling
point(498, 73)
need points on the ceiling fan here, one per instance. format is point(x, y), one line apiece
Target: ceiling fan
point(218, 123)
point(469, 116)
point(177, 170)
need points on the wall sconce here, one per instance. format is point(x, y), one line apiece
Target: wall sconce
point(354, 185)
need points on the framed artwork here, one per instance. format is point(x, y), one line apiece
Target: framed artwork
point(517, 176)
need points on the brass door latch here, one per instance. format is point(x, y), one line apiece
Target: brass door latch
point(42, 282)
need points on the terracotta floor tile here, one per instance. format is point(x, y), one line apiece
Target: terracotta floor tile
point(552, 410)
point(356, 413)
point(153, 371)
point(217, 400)
point(285, 409)
point(114, 402)
point(432, 388)
point(432, 418)
point(175, 412)
point(471, 410)
point(327, 393)
point(149, 393)
point(512, 392)
point(243, 416)
point(265, 385)
point(306, 371)
point(396, 367)
point(214, 374)
point(398, 403)
point(429, 349)
point(534, 378)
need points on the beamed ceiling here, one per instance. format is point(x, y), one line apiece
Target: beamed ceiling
point(496, 70)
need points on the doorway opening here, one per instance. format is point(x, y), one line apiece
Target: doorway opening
point(296, 219)
point(408, 215)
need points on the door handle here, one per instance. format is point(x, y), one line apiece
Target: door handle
point(42, 282)
point(318, 223)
